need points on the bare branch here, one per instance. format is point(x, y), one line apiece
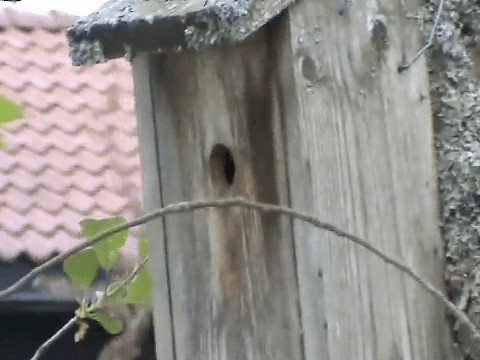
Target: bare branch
point(41, 350)
point(429, 44)
point(222, 203)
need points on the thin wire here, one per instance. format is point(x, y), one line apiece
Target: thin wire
point(429, 43)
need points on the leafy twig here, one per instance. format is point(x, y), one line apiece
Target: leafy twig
point(41, 350)
point(125, 281)
point(94, 307)
point(429, 44)
point(219, 203)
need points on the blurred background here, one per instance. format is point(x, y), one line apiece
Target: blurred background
point(73, 156)
point(81, 8)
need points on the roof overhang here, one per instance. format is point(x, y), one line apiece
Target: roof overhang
point(125, 27)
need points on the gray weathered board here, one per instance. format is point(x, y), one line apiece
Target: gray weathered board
point(232, 272)
point(316, 117)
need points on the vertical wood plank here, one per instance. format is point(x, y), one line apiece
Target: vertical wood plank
point(360, 155)
point(152, 199)
point(323, 107)
point(232, 271)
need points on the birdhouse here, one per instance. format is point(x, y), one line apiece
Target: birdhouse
point(298, 105)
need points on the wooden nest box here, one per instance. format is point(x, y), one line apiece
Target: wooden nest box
point(306, 110)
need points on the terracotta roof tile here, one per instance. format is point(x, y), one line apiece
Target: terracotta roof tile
point(79, 201)
point(10, 246)
point(60, 162)
point(92, 163)
point(63, 240)
point(4, 183)
point(54, 180)
point(20, 177)
point(7, 164)
point(75, 155)
point(87, 183)
point(21, 41)
point(98, 127)
point(48, 200)
point(53, 21)
point(41, 221)
point(17, 199)
point(111, 202)
point(69, 219)
point(14, 222)
point(32, 162)
point(16, 60)
point(36, 248)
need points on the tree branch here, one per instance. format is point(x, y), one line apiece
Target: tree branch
point(119, 286)
point(41, 350)
point(405, 66)
point(222, 203)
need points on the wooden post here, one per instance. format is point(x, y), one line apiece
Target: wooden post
point(309, 112)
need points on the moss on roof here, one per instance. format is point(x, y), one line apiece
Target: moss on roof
point(124, 27)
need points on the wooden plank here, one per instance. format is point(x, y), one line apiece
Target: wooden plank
point(152, 199)
point(360, 155)
point(232, 272)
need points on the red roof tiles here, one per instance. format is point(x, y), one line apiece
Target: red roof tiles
point(75, 155)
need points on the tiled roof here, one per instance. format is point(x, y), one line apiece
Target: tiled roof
point(75, 155)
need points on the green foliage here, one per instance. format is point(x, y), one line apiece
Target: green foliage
point(107, 250)
point(115, 294)
point(111, 324)
point(9, 110)
point(3, 145)
point(143, 248)
point(82, 268)
point(139, 290)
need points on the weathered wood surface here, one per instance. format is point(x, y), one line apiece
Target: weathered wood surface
point(360, 154)
point(152, 199)
point(317, 117)
point(231, 272)
point(126, 27)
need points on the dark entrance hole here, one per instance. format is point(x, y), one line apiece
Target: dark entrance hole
point(222, 165)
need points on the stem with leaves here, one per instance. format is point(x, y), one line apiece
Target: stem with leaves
point(88, 309)
point(182, 207)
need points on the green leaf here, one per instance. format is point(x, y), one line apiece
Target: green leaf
point(111, 324)
point(3, 144)
point(9, 110)
point(107, 250)
point(81, 268)
point(143, 248)
point(139, 291)
point(117, 294)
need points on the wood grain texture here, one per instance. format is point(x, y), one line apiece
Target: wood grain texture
point(316, 116)
point(360, 155)
point(152, 199)
point(231, 272)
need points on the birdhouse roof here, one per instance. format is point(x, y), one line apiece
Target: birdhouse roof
point(125, 27)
